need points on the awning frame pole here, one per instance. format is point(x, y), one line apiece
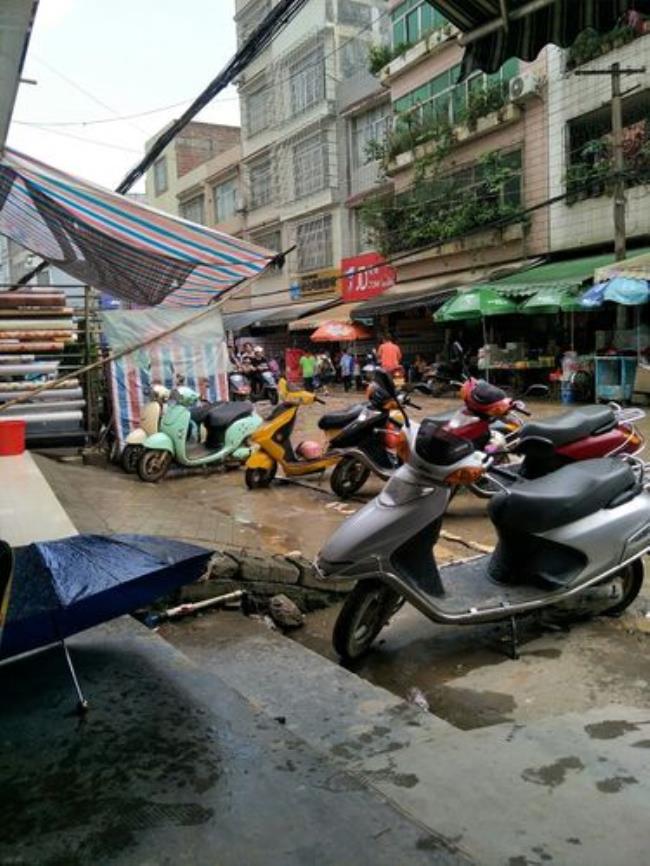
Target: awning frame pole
point(498, 23)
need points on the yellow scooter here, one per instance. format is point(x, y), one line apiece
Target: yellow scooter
point(272, 441)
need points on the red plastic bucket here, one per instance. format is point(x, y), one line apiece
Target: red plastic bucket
point(12, 438)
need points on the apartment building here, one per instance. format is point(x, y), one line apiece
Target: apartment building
point(197, 176)
point(580, 138)
point(293, 145)
point(465, 158)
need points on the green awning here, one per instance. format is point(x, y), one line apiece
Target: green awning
point(478, 303)
point(551, 300)
point(568, 273)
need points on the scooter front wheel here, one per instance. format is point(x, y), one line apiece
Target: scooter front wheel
point(348, 477)
point(153, 465)
point(130, 458)
point(365, 612)
point(259, 477)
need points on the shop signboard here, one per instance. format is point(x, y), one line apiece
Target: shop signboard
point(365, 276)
point(320, 283)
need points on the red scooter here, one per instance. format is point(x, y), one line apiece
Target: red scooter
point(489, 418)
point(580, 434)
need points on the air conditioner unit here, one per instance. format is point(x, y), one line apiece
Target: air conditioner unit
point(523, 87)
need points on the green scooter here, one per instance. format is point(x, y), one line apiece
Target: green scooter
point(198, 436)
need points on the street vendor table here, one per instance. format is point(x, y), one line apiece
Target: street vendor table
point(521, 373)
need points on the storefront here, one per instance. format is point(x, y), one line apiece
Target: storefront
point(541, 331)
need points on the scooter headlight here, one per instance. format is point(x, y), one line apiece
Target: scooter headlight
point(465, 476)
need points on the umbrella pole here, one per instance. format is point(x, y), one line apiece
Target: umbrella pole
point(82, 703)
point(487, 350)
point(572, 331)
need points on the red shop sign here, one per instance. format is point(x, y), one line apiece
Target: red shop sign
point(365, 276)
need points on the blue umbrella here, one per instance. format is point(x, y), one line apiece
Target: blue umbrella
point(623, 290)
point(594, 297)
point(619, 290)
point(53, 589)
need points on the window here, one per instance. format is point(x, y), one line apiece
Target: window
point(413, 20)
point(443, 99)
point(160, 175)
point(225, 200)
point(261, 183)
point(193, 209)
point(257, 116)
point(309, 165)
point(314, 241)
point(307, 81)
point(251, 17)
point(357, 14)
point(372, 126)
point(270, 240)
point(353, 57)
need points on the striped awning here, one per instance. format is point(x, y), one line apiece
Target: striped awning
point(530, 25)
point(109, 241)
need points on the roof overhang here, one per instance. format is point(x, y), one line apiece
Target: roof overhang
point(16, 20)
point(494, 30)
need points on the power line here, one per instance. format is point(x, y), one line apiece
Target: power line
point(92, 141)
point(83, 90)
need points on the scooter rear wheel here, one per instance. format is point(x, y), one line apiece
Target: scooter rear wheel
point(153, 465)
point(130, 458)
point(258, 478)
point(348, 477)
point(625, 586)
point(365, 612)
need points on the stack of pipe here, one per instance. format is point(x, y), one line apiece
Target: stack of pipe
point(35, 326)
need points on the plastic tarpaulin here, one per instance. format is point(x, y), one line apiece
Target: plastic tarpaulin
point(59, 588)
point(131, 251)
point(196, 356)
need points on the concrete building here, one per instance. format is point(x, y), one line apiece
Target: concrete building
point(462, 157)
point(293, 141)
point(580, 142)
point(197, 176)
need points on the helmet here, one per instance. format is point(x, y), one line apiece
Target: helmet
point(309, 450)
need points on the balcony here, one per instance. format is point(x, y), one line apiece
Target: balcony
point(405, 57)
point(591, 45)
point(409, 146)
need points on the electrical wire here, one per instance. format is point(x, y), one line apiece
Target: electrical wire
point(93, 141)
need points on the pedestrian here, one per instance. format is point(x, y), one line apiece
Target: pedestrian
point(308, 368)
point(346, 365)
point(389, 354)
point(356, 372)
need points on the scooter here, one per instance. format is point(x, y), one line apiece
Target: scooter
point(370, 442)
point(571, 541)
point(272, 442)
point(581, 434)
point(226, 429)
point(149, 424)
point(239, 387)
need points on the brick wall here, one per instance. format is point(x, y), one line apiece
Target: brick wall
point(199, 142)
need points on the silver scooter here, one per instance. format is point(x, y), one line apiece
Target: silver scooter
point(572, 540)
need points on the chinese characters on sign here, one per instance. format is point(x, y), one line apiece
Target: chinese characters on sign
point(365, 276)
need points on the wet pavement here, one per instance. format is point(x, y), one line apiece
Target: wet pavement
point(464, 672)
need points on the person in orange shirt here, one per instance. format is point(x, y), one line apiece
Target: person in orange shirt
point(389, 354)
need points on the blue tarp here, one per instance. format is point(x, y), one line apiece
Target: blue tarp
point(59, 588)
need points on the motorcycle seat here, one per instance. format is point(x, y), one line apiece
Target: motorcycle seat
point(335, 420)
point(199, 413)
point(442, 416)
point(569, 494)
point(485, 394)
point(570, 426)
point(224, 415)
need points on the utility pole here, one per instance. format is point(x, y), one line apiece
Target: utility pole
point(615, 72)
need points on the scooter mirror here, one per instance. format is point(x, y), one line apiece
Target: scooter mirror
point(385, 381)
